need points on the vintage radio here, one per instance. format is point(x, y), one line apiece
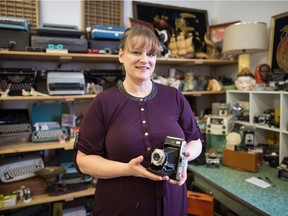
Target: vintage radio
point(219, 125)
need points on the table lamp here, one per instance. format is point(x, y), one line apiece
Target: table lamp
point(244, 38)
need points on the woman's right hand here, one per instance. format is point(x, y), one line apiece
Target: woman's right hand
point(138, 170)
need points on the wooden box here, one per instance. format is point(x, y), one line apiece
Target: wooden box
point(200, 204)
point(242, 160)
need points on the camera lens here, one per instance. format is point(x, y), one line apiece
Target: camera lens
point(158, 157)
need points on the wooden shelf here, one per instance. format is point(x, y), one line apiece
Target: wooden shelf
point(10, 148)
point(65, 98)
point(199, 93)
point(98, 58)
point(45, 198)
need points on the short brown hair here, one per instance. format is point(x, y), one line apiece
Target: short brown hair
point(151, 41)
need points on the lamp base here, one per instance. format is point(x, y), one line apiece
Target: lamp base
point(243, 62)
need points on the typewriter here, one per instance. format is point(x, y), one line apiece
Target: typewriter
point(19, 168)
point(15, 126)
point(48, 132)
point(17, 79)
point(14, 23)
point(65, 82)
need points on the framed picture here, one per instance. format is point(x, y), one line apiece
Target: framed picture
point(133, 21)
point(191, 23)
point(278, 48)
point(216, 33)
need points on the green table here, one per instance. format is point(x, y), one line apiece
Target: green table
point(230, 188)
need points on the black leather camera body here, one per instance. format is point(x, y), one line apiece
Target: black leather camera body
point(170, 160)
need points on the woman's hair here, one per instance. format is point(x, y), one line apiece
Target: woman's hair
point(140, 37)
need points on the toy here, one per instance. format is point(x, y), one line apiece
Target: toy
point(212, 159)
point(214, 85)
point(245, 80)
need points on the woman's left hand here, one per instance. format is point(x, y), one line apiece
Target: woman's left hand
point(184, 174)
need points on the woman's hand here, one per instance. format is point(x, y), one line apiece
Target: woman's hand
point(184, 173)
point(136, 169)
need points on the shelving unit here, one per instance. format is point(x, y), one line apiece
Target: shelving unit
point(81, 59)
point(259, 101)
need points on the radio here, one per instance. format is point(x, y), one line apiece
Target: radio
point(219, 125)
point(221, 109)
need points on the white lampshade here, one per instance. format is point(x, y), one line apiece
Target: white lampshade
point(245, 37)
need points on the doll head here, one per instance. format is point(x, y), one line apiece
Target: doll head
point(263, 73)
point(245, 80)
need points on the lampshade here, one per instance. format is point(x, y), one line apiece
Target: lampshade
point(245, 37)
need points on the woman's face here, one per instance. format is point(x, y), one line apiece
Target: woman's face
point(139, 62)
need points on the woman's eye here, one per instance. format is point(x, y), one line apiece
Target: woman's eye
point(136, 52)
point(151, 54)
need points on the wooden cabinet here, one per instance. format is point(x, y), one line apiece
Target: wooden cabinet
point(36, 59)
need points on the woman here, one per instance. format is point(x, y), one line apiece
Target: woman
point(122, 127)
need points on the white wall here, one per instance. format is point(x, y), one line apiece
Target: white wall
point(69, 12)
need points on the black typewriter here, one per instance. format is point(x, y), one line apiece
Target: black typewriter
point(17, 80)
point(15, 126)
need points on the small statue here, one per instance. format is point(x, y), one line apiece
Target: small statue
point(32, 92)
point(245, 80)
point(25, 194)
point(5, 93)
point(188, 81)
point(263, 74)
point(214, 85)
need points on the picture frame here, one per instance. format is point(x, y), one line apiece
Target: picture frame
point(216, 34)
point(133, 21)
point(278, 49)
point(169, 18)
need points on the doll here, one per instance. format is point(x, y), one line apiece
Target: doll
point(245, 80)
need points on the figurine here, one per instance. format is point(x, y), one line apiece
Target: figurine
point(188, 81)
point(32, 93)
point(5, 93)
point(25, 194)
point(263, 74)
point(214, 85)
point(245, 80)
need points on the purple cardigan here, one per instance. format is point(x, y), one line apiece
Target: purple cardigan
point(120, 127)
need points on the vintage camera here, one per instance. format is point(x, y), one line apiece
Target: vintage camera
point(170, 160)
point(248, 135)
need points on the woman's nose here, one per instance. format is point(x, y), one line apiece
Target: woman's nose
point(143, 57)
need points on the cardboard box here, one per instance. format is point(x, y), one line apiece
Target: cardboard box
point(200, 204)
point(242, 160)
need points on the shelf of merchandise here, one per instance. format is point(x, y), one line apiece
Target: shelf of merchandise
point(259, 101)
point(25, 101)
point(45, 198)
point(100, 58)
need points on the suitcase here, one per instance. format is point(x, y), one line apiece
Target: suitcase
point(107, 32)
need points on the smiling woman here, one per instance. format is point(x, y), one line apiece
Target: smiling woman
point(123, 126)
